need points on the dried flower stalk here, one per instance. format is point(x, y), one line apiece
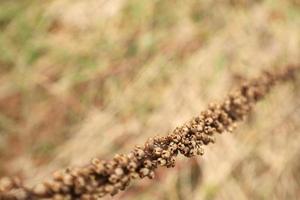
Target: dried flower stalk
point(101, 177)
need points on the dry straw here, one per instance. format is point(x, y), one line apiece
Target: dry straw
point(103, 177)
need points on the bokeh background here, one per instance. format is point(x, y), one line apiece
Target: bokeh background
point(86, 78)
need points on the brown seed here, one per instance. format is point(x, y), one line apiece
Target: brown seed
point(113, 178)
point(132, 166)
point(161, 161)
point(166, 154)
point(95, 161)
point(58, 197)
point(109, 188)
point(40, 190)
point(55, 186)
point(58, 175)
point(181, 146)
point(157, 151)
point(134, 175)
point(67, 179)
point(144, 172)
point(6, 184)
point(119, 171)
point(200, 151)
point(148, 163)
point(139, 153)
point(151, 175)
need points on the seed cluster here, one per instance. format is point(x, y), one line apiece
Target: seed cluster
point(102, 177)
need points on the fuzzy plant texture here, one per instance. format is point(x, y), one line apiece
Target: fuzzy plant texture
point(108, 177)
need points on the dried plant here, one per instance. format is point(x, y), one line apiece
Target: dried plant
point(101, 177)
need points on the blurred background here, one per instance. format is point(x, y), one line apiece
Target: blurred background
point(80, 79)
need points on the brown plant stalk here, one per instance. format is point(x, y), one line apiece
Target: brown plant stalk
point(103, 177)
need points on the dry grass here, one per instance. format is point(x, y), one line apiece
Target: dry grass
point(67, 81)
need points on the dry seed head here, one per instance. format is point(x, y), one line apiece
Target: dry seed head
point(108, 177)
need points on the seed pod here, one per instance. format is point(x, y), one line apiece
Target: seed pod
point(55, 186)
point(109, 188)
point(134, 175)
point(58, 175)
point(119, 171)
point(165, 154)
point(185, 151)
point(176, 137)
point(186, 141)
point(149, 145)
point(67, 179)
point(193, 143)
point(40, 190)
point(157, 151)
point(58, 197)
point(100, 194)
point(144, 172)
point(139, 153)
point(200, 151)
point(185, 130)
point(79, 181)
point(6, 184)
point(181, 146)
point(119, 185)
point(113, 178)
point(132, 166)
point(125, 179)
point(173, 148)
point(192, 153)
point(121, 159)
point(95, 161)
point(148, 163)
point(161, 161)
point(65, 189)
point(171, 162)
point(151, 175)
